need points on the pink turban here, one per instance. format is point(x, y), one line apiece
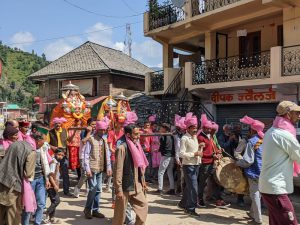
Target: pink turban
point(190, 120)
point(179, 122)
point(152, 118)
point(131, 118)
point(103, 124)
point(59, 120)
point(254, 124)
point(205, 122)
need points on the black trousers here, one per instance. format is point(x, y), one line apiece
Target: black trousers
point(55, 200)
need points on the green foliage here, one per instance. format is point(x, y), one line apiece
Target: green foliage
point(18, 65)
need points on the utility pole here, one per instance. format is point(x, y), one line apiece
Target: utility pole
point(128, 41)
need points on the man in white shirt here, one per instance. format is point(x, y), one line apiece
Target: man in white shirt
point(281, 149)
point(191, 158)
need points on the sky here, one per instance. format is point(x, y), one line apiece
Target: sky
point(38, 25)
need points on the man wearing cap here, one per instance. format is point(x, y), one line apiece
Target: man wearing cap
point(58, 138)
point(191, 153)
point(281, 149)
point(40, 182)
point(251, 161)
point(96, 162)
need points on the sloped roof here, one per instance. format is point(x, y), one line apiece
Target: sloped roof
point(92, 57)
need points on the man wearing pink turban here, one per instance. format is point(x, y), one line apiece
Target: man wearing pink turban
point(191, 158)
point(96, 162)
point(281, 151)
point(207, 169)
point(252, 162)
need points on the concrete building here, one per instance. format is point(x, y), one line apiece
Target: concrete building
point(236, 57)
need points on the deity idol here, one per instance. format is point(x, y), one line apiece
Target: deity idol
point(73, 107)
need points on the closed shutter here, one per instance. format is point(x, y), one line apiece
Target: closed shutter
point(231, 114)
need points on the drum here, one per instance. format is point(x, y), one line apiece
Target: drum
point(231, 176)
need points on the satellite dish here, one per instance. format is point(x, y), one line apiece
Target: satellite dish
point(178, 3)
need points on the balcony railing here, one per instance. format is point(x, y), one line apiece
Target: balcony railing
point(234, 68)
point(203, 6)
point(157, 81)
point(165, 15)
point(291, 60)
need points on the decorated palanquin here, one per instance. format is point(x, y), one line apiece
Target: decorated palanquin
point(73, 107)
point(115, 108)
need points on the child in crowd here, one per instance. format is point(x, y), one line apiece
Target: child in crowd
point(53, 190)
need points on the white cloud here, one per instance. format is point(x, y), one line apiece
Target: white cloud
point(119, 46)
point(22, 39)
point(57, 49)
point(148, 52)
point(103, 37)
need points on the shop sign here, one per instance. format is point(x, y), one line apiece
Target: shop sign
point(246, 96)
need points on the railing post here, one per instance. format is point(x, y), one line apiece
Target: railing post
point(188, 75)
point(146, 22)
point(188, 9)
point(276, 63)
point(147, 83)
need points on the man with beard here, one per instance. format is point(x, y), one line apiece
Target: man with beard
point(129, 171)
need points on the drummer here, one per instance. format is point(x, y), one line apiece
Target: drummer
point(210, 152)
point(252, 162)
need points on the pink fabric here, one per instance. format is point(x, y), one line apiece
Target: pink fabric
point(152, 118)
point(28, 198)
point(103, 124)
point(190, 120)
point(131, 118)
point(28, 139)
point(138, 156)
point(179, 122)
point(156, 157)
point(205, 122)
point(6, 144)
point(256, 125)
point(59, 120)
point(155, 143)
point(49, 158)
point(285, 124)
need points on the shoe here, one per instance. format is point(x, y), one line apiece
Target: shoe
point(221, 204)
point(87, 213)
point(159, 192)
point(76, 192)
point(68, 194)
point(171, 192)
point(55, 221)
point(98, 214)
point(192, 213)
point(201, 204)
point(179, 206)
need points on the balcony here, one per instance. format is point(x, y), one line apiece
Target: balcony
point(291, 60)
point(204, 6)
point(165, 15)
point(157, 81)
point(236, 68)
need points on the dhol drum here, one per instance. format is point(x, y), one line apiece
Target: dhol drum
point(231, 176)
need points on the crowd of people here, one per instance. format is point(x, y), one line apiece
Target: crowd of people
point(130, 158)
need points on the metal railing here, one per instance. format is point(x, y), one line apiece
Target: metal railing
point(291, 60)
point(235, 68)
point(157, 81)
point(175, 86)
point(165, 15)
point(203, 6)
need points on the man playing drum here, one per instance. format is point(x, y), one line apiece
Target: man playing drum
point(251, 161)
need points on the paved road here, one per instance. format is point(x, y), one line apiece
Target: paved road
point(162, 211)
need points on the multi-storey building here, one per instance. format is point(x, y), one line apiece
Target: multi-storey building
point(235, 56)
